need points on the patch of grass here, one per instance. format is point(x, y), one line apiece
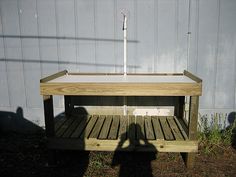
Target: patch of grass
point(213, 137)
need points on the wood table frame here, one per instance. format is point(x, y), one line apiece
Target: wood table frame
point(193, 89)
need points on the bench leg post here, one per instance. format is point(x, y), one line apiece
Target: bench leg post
point(49, 124)
point(68, 105)
point(189, 158)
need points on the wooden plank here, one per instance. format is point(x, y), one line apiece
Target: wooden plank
point(131, 74)
point(148, 128)
point(112, 145)
point(59, 122)
point(88, 129)
point(182, 130)
point(174, 128)
point(157, 128)
point(53, 76)
point(81, 126)
point(49, 115)
point(105, 128)
point(140, 127)
point(193, 117)
point(64, 127)
point(131, 128)
point(166, 129)
point(189, 158)
point(114, 127)
point(121, 89)
point(97, 127)
point(123, 127)
point(192, 76)
point(72, 128)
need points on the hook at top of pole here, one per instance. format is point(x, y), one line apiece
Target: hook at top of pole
point(124, 21)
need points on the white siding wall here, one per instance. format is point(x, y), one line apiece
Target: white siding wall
point(40, 37)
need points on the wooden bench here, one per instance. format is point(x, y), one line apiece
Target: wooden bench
point(118, 132)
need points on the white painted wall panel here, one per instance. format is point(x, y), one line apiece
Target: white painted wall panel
point(30, 51)
point(225, 75)
point(86, 36)
point(41, 37)
point(65, 15)
point(207, 50)
point(166, 40)
point(13, 53)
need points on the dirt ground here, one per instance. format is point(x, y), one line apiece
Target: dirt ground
point(26, 155)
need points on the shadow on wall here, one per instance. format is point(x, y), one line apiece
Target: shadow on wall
point(16, 122)
point(232, 124)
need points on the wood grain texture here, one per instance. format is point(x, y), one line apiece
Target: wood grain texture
point(114, 127)
point(97, 127)
point(189, 158)
point(105, 128)
point(157, 128)
point(112, 145)
point(121, 89)
point(149, 128)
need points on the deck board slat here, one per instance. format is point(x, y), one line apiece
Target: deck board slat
point(105, 128)
point(166, 129)
point(174, 128)
point(131, 128)
point(97, 127)
point(149, 128)
point(64, 127)
point(140, 127)
point(157, 128)
point(59, 122)
point(89, 127)
point(72, 127)
point(123, 127)
point(81, 126)
point(114, 128)
point(181, 128)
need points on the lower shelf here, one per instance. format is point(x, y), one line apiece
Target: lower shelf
point(124, 133)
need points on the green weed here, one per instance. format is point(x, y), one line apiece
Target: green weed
point(212, 136)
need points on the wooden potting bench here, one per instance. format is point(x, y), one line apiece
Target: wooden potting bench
point(119, 132)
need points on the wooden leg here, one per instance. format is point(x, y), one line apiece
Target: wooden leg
point(49, 115)
point(49, 124)
point(68, 105)
point(179, 107)
point(189, 158)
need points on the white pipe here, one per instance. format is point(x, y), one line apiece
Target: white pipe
point(189, 34)
point(125, 57)
point(125, 44)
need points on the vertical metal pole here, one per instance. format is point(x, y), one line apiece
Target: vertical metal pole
point(125, 57)
point(125, 44)
point(189, 34)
